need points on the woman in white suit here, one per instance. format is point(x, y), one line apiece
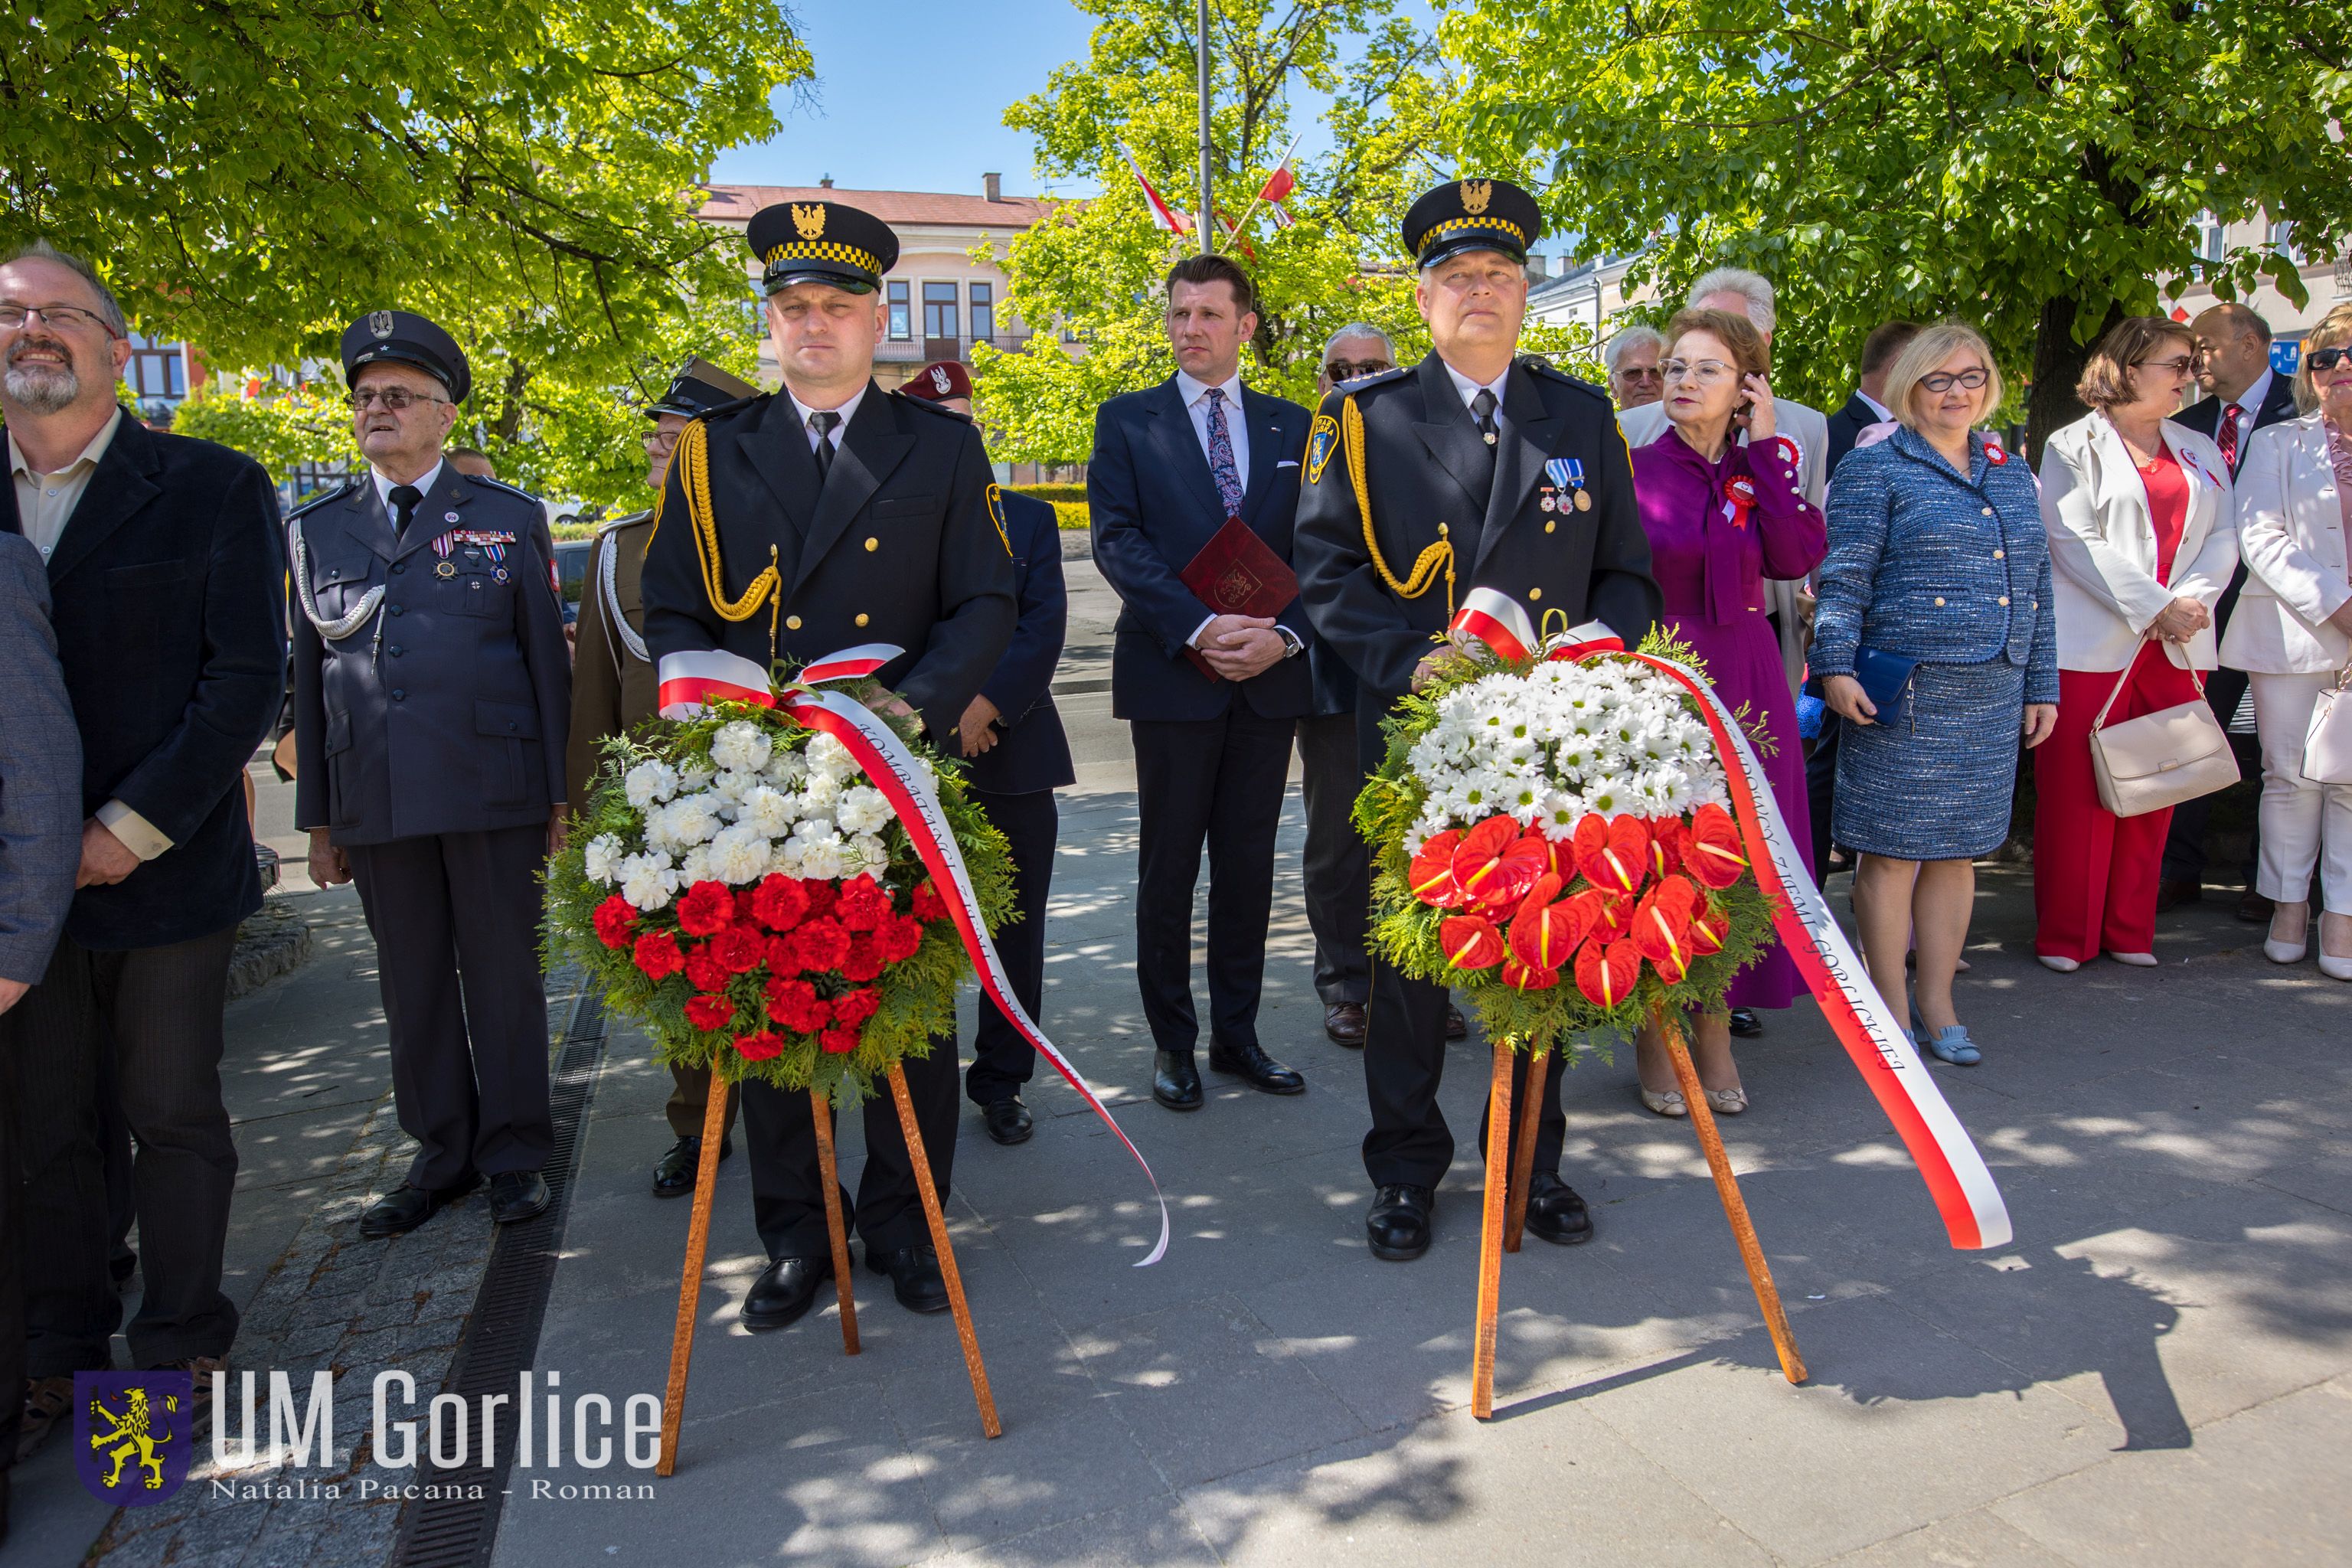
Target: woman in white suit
point(2143, 539)
point(2292, 632)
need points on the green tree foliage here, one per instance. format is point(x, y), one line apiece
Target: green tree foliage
point(280, 428)
point(2032, 166)
point(253, 175)
point(1094, 268)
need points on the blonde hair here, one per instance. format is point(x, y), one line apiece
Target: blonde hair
point(1930, 349)
point(2334, 331)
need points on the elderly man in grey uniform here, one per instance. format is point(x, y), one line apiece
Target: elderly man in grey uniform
point(431, 694)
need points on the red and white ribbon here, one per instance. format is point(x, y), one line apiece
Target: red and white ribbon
point(906, 784)
point(1496, 620)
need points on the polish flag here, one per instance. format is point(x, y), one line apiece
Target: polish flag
point(1278, 191)
point(1163, 215)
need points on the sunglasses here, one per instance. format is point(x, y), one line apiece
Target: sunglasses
point(2325, 359)
point(395, 399)
point(1343, 370)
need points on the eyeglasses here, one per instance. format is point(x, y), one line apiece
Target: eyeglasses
point(2325, 359)
point(1340, 369)
point(658, 443)
point(15, 316)
point(1641, 373)
point(1705, 372)
point(395, 399)
point(2180, 366)
point(1945, 380)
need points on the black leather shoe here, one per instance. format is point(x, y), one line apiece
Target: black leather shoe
point(915, 1277)
point(1251, 1065)
point(1007, 1119)
point(1457, 1027)
point(676, 1172)
point(1344, 1022)
point(1397, 1224)
point(404, 1208)
point(516, 1195)
point(1175, 1081)
point(1744, 1023)
point(1556, 1213)
point(2171, 895)
point(784, 1290)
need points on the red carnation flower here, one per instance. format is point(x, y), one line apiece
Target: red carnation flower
point(760, 1046)
point(839, 1042)
point(741, 949)
point(855, 1006)
point(927, 905)
point(818, 945)
point(820, 896)
point(864, 960)
point(704, 972)
point(862, 905)
point(795, 1004)
point(614, 920)
point(656, 955)
point(709, 1013)
point(706, 910)
point(744, 914)
point(898, 939)
point(780, 902)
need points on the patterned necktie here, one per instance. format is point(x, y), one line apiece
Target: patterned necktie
point(404, 500)
point(2229, 437)
point(1221, 466)
point(821, 422)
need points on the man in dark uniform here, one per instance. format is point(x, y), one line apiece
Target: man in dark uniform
point(1453, 454)
point(795, 525)
point(431, 691)
point(1012, 738)
point(612, 692)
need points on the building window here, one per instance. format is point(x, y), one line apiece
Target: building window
point(157, 372)
point(983, 314)
point(2283, 241)
point(2210, 244)
point(940, 310)
point(902, 314)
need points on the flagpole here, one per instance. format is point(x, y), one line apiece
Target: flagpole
point(1250, 211)
point(1208, 201)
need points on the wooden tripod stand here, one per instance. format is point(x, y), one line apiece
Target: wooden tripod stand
point(1506, 1205)
point(698, 1242)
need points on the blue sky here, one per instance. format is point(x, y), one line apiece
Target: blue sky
point(910, 95)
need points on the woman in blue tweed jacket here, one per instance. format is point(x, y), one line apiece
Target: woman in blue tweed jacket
point(1937, 555)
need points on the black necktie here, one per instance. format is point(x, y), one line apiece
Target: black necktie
point(821, 422)
point(404, 507)
point(1483, 407)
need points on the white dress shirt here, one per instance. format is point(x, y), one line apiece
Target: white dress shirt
point(1195, 395)
point(45, 501)
point(847, 412)
point(1470, 389)
point(385, 484)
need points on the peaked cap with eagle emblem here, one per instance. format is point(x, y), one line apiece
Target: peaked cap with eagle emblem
point(1472, 215)
point(822, 242)
point(407, 338)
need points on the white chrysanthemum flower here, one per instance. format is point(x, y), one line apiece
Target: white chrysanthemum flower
point(738, 855)
point(741, 745)
point(862, 809)
point(828, 758)
point(647, 881)
point(649, 783)
point(769, 811)
point(1611, 795)
point(601, 861)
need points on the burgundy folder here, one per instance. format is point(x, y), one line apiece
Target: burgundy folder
point(1237, 575)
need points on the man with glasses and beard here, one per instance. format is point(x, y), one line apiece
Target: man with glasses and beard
point(163, 572)
point(432, 690)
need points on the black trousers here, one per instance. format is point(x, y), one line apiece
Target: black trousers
point(1404, 1058)
point(456, 920)
point(1217, 780)
point(690, 1101)
point(2184, 842)
point(11, 1251)
point(158, 1009)
point(787, 1188)
point(1339, 865)
point(1002, 1061)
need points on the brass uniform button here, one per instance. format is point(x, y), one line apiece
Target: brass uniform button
point(2004, 599)
point(1549, 526)
point(2001, 556)
point(1988, 511)
point(1533, 594)
point(793, 623)
point(873, 544)
point(1939, 603)
point(861, 620)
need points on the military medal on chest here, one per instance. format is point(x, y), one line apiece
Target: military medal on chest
point(1567, 473)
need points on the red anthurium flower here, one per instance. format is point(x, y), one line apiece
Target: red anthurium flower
point(760, 1046)
point(1544, 935)
point(706, 909)
point(704, 972)
point(853, 1007)
point(708, 1013)
point(1712, 853)
point(1672, 967)
point(780, 902)
point(1471, 942)
point(1431, 875)
point(1520, 977)
point(839, 1041)
point(656, 955)
point(1607, 915)
point(1476, 862)
point(1613, 855)
point(1661, 923)
point(1559, 858)
point(614, 920)
point(1668, 836)
point(739, 949)
point(1513, 874)
point(1606, 973)
point(1709, 931)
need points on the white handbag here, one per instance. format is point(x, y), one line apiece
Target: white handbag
point(2160, 759)
point(2327, 744)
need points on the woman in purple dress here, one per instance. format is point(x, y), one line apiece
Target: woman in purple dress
point(1723, 517)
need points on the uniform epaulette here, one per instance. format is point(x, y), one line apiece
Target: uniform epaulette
point(926, 404)
point(619, 523)
point(323, 497)
point(740, 403)
point(1545, 368)
point(515, 490)
point(1394, 373)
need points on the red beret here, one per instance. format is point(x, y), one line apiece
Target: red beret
point(939, 380)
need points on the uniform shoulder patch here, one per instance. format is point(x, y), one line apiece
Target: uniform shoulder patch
point(996, 511)
point(323, 497)
point(1322, 440)
point(1394, 373)
point(928, 406)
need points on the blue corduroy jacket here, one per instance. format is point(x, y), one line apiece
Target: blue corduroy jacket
point(1933, 565)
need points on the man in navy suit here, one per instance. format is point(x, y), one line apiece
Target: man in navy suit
point(1011, 737)
point(1170, 465)
point(2242, 395)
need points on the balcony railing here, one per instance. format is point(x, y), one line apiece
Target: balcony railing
point(923, 351)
